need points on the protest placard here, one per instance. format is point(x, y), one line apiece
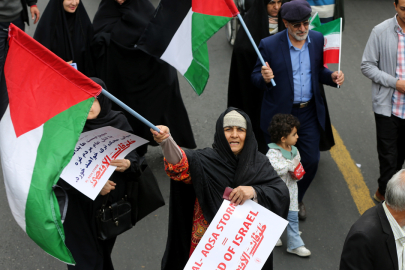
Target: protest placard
point(89, 169)
point(238, 238)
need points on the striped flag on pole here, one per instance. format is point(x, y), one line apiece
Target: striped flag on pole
point(332, 32)
point(48, 105)
point(179, 32)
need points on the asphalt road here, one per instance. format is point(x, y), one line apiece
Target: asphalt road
point(331, 209)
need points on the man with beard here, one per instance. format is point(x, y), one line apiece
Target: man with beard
point(296, 54)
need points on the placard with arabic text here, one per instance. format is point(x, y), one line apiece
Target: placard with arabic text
point(89, 169)
point(238, 238)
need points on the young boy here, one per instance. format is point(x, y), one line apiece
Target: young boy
point(285, 158)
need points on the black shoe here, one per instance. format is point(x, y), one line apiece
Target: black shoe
point(302, 213)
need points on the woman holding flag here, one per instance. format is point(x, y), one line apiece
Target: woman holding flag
point(199, 179)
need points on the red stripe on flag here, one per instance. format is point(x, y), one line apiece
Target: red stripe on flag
point(40, 85)
point(224, 8)
point(331, 56)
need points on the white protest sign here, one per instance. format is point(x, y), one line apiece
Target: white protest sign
point(238, 238)
point(89, 169)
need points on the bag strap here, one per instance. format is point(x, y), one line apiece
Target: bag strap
point(103, 206)
point(65, 206)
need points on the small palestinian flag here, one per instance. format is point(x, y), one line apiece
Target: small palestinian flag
point(179, 31)
point(48, 105)
point(332, 32)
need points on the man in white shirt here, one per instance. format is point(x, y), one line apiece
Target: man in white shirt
point(377, 239)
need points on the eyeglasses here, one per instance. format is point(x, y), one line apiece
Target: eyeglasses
point(298, 25)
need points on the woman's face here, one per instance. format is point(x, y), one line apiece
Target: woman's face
point(94, 110)
point(236, 138)
point(70, 5)
point(273, 7)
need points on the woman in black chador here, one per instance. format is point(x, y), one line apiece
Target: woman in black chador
point(80, 223)
point(66, 30)
point(199, 178)
point(241, 92)
point(144, 83)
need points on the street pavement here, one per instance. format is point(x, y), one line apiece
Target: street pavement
point(330, 206)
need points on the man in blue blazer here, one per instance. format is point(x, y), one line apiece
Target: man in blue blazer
point(294, 58)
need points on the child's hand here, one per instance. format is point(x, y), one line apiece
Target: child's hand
point(293, 176)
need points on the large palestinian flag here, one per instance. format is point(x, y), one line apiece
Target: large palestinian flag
point(179, 31)
point(48, 105)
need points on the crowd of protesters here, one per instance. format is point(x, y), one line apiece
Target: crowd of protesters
point(273, 131)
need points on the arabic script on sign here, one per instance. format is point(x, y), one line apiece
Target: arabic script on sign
point(89, 168)
point(238, 238)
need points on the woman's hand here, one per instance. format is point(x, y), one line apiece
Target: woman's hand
point(110, 185)
point(122, 164)
point(241, 194)
point(160, 136)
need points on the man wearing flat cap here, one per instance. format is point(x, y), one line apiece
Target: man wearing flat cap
point(294, 58)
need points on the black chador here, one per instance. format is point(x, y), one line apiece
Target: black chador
point(144, 83)
point(68, 35)
point(80, 224)
point(212, 170)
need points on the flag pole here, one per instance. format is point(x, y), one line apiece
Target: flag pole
point(254, 44)
point(128, 109)
point(340, 48)
point(313, 17)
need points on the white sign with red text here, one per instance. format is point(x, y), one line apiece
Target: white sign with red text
point(238, 238)
point(89, 169)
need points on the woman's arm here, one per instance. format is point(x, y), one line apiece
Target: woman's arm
point(175, 159)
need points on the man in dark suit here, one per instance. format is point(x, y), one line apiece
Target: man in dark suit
point(295, 55)
point(376, 241)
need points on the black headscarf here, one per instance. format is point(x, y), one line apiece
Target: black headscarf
point(68, 35)
point(212, 170)
point(107, 117)
point(80, 224)
point(241, 92)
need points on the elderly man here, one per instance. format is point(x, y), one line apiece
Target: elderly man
point(384, 64)
point(296, 55)
point(376, 241)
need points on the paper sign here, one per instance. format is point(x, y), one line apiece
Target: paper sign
point(89, 169)
point(238, 238)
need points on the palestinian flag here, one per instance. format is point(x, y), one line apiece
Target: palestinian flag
point(48, 105)
point(332, 32)
point(179, 32)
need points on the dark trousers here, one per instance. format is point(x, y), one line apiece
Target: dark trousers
point(307, 144)
point(3, 47)
point(3, 38)
point(390, 147)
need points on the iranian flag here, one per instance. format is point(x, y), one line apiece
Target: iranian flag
point(332, 32)
point(48, 105)
point(179, 32)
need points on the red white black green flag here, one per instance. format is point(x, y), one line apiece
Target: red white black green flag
point(179, 31)
point(48, 105)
